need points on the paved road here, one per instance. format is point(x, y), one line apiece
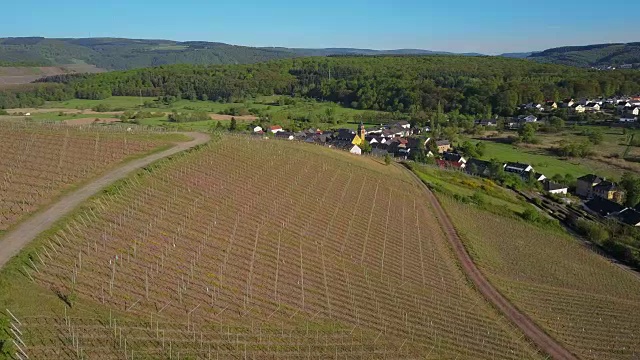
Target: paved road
point(545, 342)
point(13, 241)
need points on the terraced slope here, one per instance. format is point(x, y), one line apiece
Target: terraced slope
point(578, 297)
point(40, 161)
point(250, 248)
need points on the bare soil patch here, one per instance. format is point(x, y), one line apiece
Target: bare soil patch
point(24, 75)
point(87, 121)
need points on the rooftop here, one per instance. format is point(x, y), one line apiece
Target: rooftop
point(630, 217)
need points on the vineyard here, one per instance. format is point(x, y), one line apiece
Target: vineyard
point(587, 303)
point(251, 249)
point(41, 161)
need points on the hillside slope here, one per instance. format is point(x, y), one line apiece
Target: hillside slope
point(591, 55)
point(121, 54)
point(580, 298)
point(253, 248)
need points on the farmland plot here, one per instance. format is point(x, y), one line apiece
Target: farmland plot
point(582, 300)
point(250, 248)
point(40, 161)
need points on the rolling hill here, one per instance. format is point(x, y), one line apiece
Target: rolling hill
point(591, 55)
point(120, 54)
point(247, 248)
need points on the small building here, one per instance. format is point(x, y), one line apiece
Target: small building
point(379, 149)
point(258, 130)
point(551, 105)
point(478, 167)
point(444, 164)
point(592, 107)
point(443, 146)
point(630, 217)
point(527, 119)
point(567, 103)
point(487, 122)
point(276, 129)
point(608, 190)
point(635, 111)
point(538, 177)
point(403, 124)
point(555, 188)
point(454, 157)
point(579, 109)
point(517, 168)
point(585, 184)
point(356, 150)
point(604, 207)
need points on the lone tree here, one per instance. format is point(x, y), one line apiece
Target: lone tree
point(631, 185)
point(387, 159)
point(233, 126)
point(527, 133)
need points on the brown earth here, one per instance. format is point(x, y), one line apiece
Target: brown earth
point(543, 340)
point(87, 121)
point(21, 235)
point(24, 75)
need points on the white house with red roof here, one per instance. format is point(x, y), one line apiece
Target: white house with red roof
point(276, 129)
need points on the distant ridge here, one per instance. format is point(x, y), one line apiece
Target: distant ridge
point(597, 55)
point(122, 54)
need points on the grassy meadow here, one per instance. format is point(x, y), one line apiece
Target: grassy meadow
point(607, 157)
point(279, 110)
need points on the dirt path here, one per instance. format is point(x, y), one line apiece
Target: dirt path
point(545, 342)
point(13, 241)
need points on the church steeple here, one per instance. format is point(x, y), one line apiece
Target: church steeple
point(361, 131)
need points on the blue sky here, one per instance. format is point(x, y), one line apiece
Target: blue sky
point(490, 26)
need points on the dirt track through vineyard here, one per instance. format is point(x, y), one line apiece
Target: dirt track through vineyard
point(13, 241)
point(545, 342)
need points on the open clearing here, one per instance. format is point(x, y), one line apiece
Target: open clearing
point(253, 248)
point(578, 297)
point(10, 75)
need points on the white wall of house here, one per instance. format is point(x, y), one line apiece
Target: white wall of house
point(559, 191)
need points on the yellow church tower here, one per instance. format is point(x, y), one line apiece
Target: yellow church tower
point(360, 135)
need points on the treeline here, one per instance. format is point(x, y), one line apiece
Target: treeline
point(30, 95)
point(480, 86)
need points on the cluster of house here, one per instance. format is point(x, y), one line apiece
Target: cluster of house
point(604, 198)
point(482, 168)
point(392, 139)
point(627, 107)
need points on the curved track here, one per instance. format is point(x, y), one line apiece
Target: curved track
point(545, 342)
point(14, 240)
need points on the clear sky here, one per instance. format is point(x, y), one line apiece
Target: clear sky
point(489, 26)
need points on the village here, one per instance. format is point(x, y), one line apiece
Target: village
point(402, 142)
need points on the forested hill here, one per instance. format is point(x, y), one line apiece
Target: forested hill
point(122, 54)
point(410, 84)
point(591, 55)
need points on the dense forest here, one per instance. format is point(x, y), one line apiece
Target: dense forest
point(479, 86)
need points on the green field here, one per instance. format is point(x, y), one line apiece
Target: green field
point(543, 163)
point(461, 184)
point(304, 112)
